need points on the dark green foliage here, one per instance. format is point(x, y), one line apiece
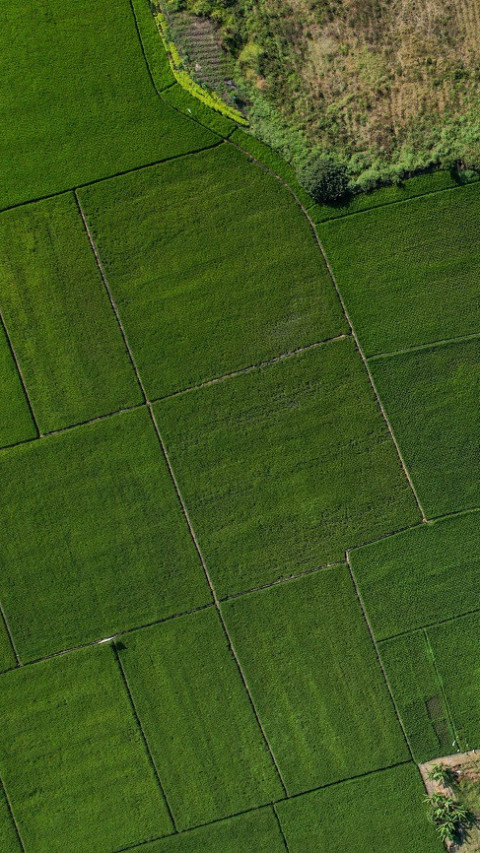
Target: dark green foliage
point(94, 511)
point(311, 666)
point(420, 576)
point(381, 813)
point(205, 740)
point(73, 760)
point(64, 331)
point(277, 474)
point(431, 398)
point(325, 179)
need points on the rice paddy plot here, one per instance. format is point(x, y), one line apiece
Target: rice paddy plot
point(77, 100)
point(431, 398)
point(16, 423)
point(59, 317)
point(92, 537)
point(7, 656)
point(212, 266)
point(72, 758)
point(420, 576)
point(383, 812)
point(9, 842)
point(409, 273)
point(285, 467)
point(255, 832)
point(198, 720)
point(311, 666)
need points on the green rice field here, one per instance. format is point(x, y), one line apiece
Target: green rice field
point(239, 455)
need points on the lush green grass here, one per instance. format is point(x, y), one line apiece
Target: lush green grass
point(431, 398)
point(63, 329)
point(8, 837)
point(312, 669)
point(16, 422)
point(76, 70)
point(255, 832)
point(409, 272)
point(155, 55)
point(418, 694)
point(7, 657)
point(95, 512)
point(284, 467)
point(193, 276)
point(181, 100)
point(420, 576)
point(202, 731)
point(72, 757)
point(381, 813)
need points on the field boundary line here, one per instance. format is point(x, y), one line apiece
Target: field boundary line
point(379, 659)
point(439, 681)
point(444, 342)
point(347, 318)
point(20, 375)
point(285, 579)
point(252, 367)
point(179, 496)
point(429, 625)
point(142, 733)
point(280, 828)
point(8, 630)
point(12, 816)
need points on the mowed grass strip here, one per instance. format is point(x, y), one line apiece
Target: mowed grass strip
point(383, 812)
point(410, 273)
point(92, 537)
point(76, 69)
point(201, 728)
point(255, 832)
point(9, 842)
point(212, 266)
point(431, 398)
point(59, 317)
point(420, 576)
point(16, 423)
point(285, 467)
point(311, 666)
point(72, 757)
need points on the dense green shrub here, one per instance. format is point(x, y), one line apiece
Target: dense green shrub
point(325, 178)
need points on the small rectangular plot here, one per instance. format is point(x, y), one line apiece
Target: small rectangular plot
point(315, 679)
point(201, 728)
point(415, 686)
point(16, 422)
point(59, 317)
point(72, 757)
point(409, 273)
point(431, 398)
point(92, 537)
point(285, 467)
point(255, 832)
point(212, 266)
point(9, 842)
point(382, 813)
point(420, 576)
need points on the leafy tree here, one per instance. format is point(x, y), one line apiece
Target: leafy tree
point(325, 178)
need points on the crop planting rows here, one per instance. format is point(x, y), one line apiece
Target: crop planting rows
point(208, 410)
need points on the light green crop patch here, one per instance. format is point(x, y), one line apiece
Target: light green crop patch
point(409, 272)
point(16, 422)
point(212, 266)
point(9, 842)
point(62, 326)
point(197, 717)
point(311, 666)
point(431, 398)
point(76, 69)
point(435, 678)
point(72, 757)
point(92, 537)
point(383, 812)
point(285, 467)
point(420, 576)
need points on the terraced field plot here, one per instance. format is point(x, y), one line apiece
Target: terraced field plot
point(211, 267)
point(95, 512)
point(77, 100)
